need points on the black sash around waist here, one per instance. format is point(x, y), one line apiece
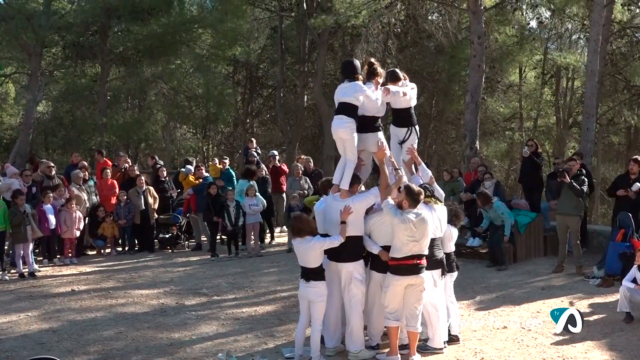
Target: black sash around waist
point(325, 235)
point(351, 250)
point(368, 124)
point(451, 263)
point(404, 118)
point(312, 274)
point(408, 270)
point(436, 257)
point(347, 109)
point(377, 264)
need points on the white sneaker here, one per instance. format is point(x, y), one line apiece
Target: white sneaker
point(479, 242)
point(283, 230)
point(366, 354)
point(36, 268)
point(416, 357)
point(471, 242)
point(45, 262)
point(384, 356)
point(4, 276)
point(335, 350)
point(74, 261)
point(57, 262)
point(475, 242)
point(67, 262)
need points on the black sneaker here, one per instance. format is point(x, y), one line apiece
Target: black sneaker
point(32, 275)
point(426, 349)
point(375, 348)
point(289, 250)
point(131, 252)
point(403, 349)
point(628, 318)
point(259, 255)
point(453, 340)
point(237, 254)
point(121, 252)
point(22, 276)
point(215, 255)
point(197, 247)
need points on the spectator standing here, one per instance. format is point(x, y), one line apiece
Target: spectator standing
point(472, 174)
point(166, 191)
point(584, 233)
point(201, 203)
point(5, 227)
point(90, 184)
point(530, 179)
point(574, 190)
point(108, 191)
point(298, 184)
point(626, 200)
point(101, 162)
point(11, 183)
point(253, 204)
point(248, 178)
point(213, 214)
point(124, 214)
point(73, 166)
point(251, 145)
point(452, 187)
point(313, 174)
point(145, 202)
point(78, 193)
point(49, 226)
point(32, 189)
point(278, 172)
point(71, 226)
point(253, 159)
point(176, 178)
point(227, 175)
point(21, 221)
point(49, 179)
point(552, 192)
point(129, 180)
point(264, 188)
point(154, 164)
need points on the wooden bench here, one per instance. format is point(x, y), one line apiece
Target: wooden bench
point(530, 244)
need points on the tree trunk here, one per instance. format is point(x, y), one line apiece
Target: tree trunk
point(590, 107)
point(604, 45)
point(521, 101)
point(543, 83)
point(557, 146)
point(104, 58)
point(280, 74)
point(35, 90)
point(473, 99)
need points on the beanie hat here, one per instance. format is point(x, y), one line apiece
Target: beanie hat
point(10, 170)
point(350, 69)
point(188, 170)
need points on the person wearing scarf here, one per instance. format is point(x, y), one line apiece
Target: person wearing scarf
point(145, 202)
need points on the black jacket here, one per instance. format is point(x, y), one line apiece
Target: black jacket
point(624, 203)
point(552, 191)
point(33, 195)
point(163, 188)
point(314, 177)
point(214, 208)
point(589, 176)
point(264, 188)
point(531, 172)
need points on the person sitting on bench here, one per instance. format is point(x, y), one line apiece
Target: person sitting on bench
point(630, 290)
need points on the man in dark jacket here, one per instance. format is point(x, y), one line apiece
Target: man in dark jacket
point(620, 190)
point(574, 196)
point(551, 192)
point(197, 218)
point(33, 190)
point(584, 233)
point(313, 174)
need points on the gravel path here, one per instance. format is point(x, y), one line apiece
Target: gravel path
point(182, 306)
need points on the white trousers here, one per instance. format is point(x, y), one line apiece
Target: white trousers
point(344, 134)
point(313, 301)
point(453, 311)
point(434, 311)
point(400, 152)
point(403, 298)
point(346, 287)
point(367, 146)
point(628, 296)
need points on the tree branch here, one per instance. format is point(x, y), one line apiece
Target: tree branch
point(6, 77)
point(448, 4)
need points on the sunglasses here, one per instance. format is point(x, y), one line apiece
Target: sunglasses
point(531, 145)
point(557, 164)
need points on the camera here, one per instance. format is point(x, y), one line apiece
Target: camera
point(562, 172)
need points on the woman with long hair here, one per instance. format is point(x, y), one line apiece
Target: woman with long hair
point(531, 179)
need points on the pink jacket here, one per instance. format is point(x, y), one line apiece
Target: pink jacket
point(71, 223)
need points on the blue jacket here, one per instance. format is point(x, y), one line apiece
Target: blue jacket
point(229, 178)
point(200, 192)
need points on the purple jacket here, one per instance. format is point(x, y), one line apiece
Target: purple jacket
point(124, 212)
point(43, 220)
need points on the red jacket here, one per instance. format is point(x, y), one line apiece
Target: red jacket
point(469, 177)
point(279, 178)
point(102, 165)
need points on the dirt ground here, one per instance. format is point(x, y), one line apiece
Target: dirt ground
point(182, 306)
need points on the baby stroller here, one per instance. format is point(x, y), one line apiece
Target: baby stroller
point(172, 229)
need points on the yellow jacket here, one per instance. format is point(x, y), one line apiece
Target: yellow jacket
point(187, 181)
point(214, 170)
point(109, 230)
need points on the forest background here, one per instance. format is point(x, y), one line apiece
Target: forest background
point(181, 78)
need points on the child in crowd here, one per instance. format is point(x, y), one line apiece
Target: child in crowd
point(499, 220)
point(455, 217)
point(21, 221)
point(49, 226)
point(5, 226)
point(295, 207)
point(109, 229)
point(59, 196)
point(253, 206)
point(252, 145)
point(215, 169)
point(233, 221)
point(123, 215)
point(11, 183)
point(212, 216)
point(188, 180)
point(71, 224)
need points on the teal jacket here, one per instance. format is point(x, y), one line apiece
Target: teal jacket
point(229, 178)
point(4, 217)
point(498, 214)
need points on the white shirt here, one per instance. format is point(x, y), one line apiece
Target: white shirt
point(369, 107)
point(401, 102)
point(634, 273)
point(449, 239)
point(310, 250)
point(50, 215)
point(410, 231)
point(318, 211)
point(437, 215)
point(378, 226)
point(355, 93)
point(359, 204)
point(423, 176)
